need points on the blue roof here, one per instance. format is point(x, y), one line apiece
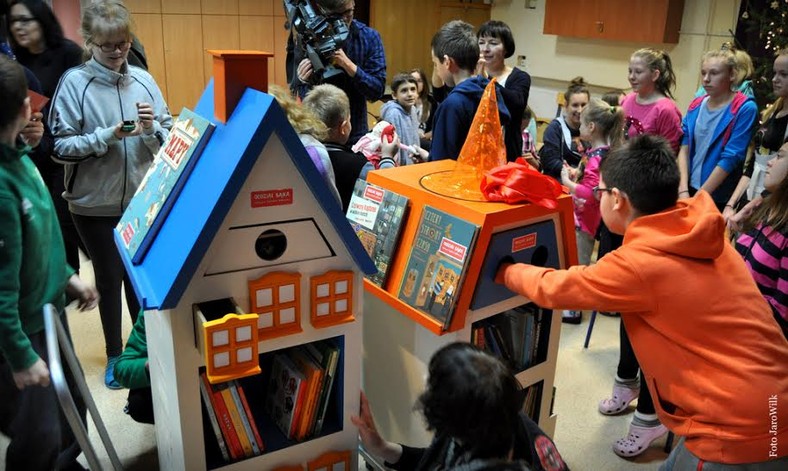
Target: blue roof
point(212, 188)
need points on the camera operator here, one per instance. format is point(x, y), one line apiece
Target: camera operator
point(361, 59)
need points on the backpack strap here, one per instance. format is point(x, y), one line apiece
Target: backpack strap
point(738, 100)
point(696, 102)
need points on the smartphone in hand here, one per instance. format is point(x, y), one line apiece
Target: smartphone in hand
point(128, 125)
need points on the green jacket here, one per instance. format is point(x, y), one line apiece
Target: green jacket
point(130, 369)
point(33, 269)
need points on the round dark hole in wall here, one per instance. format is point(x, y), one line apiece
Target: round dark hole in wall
point(270, 245)
point(539, 257)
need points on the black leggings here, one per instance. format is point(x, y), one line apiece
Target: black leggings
point(628, 365)
point(97, 233)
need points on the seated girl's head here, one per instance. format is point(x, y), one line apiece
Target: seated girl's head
point(472, 397)
point(106, 28)
point(614, 97)
point(576, 98)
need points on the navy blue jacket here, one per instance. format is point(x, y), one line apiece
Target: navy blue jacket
point(454, 116)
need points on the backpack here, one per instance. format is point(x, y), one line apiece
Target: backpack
point(738, 100)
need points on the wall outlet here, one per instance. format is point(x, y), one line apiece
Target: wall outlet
point(530, 4)
point(522, 62)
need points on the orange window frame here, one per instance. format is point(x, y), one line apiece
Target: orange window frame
point(230, 325)
point(328, 460)
point(330, 297)
point(275, 282)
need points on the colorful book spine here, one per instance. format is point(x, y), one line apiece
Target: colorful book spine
point(217, 430)
point(226, 423)
point(252, 422)
point(247, 427)
point(235, 416)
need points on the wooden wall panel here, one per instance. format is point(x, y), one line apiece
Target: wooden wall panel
point(406, 29)
point(259, 7)
point(143, 6)
point(218, 32)
point(183, 51)
point(148, 28)
point(182, 7)
point(219, 7)
point(256, 34)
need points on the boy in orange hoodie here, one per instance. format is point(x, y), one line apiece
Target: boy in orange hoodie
point(715, 360)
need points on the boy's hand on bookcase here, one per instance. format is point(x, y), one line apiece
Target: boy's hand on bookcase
point(370, 438)
point(501, 271)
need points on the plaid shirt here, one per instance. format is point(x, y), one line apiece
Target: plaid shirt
point(365, 48)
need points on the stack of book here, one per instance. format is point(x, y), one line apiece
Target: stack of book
point(299, 389)
point(231, 419)
point(516, 336)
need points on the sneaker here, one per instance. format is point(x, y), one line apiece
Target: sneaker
point(638, 440)
point(619, 401)
point(109, 374)
point(572, 317)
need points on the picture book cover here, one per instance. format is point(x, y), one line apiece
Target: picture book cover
point(161, 185)
point(437, 263)
point(286, 390)
point(376, 215)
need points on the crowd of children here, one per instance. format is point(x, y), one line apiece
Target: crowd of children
point(654, 187)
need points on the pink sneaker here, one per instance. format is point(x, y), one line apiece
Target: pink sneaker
point(622, 396)
point(638, 440)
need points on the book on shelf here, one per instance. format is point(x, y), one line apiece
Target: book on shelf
point(225, 421)
point(516, 336)
point(438, 263)
point(246, 421)
point(235, 417)
point(314, 376)
point(161, 185)
point(376, 215)
point(286, 390)
point(327, 356)
point(205, 393)
point(255, 431)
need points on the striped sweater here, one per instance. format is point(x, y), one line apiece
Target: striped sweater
point(764, 252)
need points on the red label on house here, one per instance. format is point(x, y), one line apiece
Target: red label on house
point(523, 242)
point(453, 249)
point(374, 194)
point(281, 197)
point(127, 234)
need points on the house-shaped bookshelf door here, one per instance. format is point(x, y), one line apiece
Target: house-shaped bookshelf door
point(231, 347)
point(276, 298)
point(331, 461)
point(332, 298)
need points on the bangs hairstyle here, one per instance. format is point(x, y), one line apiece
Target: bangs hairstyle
point(645, 170)
point(456, 40)
point(656, 59)
point(498, 30)
point(50, 27)
point(329, 103)
point(104, 19)
point(401, 79)
point(472, 397)
point(13, 91)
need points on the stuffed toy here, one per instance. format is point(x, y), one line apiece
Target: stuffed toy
point(369, 145)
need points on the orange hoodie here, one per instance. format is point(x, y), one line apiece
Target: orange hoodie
point(716, 362)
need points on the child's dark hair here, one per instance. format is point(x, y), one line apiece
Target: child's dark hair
point(472, 397)
point(577, 86)
point(50, 26)
point(645, 170)
point(657, 59)
point(612, 97)
point(528, 113)
point(498, 30)
point(456, 40)
point(13, 91)
point(609, 120)
point(401, 79)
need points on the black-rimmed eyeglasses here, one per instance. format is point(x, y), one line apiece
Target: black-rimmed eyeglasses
point(597, 189)
point(111, 47)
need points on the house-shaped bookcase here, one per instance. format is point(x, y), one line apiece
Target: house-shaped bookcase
point(256, 223)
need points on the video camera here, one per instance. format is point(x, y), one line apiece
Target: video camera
point(320, 36)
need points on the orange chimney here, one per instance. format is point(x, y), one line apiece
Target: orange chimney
point(234, 72)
